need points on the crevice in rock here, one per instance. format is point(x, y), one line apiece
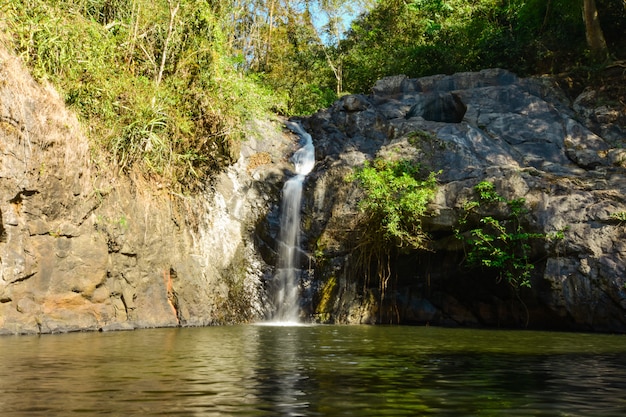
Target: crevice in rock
point(17, 126)
point(112, 245)
point(172, 296)
point(93, 201)
point(3, 234)
point(19, 198)
point(128, 308)
point(24, 278)
point(10, 120)
point(24, 193)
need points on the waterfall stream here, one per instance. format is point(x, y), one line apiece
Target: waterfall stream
point(286, 294)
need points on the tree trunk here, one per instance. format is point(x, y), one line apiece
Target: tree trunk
point(268, 44)
point(170, 29)
point(595, 36)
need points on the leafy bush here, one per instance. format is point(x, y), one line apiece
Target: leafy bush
point(395, 201)
point(500, 244)
point(425, 37)
point(619, 216)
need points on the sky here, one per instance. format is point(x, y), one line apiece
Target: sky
point(320, 19)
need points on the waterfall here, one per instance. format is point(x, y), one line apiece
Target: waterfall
point(286, 294)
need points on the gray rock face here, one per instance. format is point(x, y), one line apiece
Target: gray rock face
point(519, 134)
point(82, 248)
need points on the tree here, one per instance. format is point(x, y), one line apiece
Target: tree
point(335, 12)
point(398, 37)
point(292, 46)
point(173, 11)
point(595, 36)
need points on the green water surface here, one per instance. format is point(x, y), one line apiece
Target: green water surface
point(260, 370)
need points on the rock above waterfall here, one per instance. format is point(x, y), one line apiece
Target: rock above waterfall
point(438, 107)
point(520, 134)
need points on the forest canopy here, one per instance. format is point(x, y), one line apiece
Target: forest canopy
point(166, 86)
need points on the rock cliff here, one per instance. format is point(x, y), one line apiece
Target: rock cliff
point(83, 248)
point(524, 136)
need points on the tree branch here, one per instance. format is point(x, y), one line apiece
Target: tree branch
point(170, 29)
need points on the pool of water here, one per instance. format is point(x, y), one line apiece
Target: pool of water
point(257, 370)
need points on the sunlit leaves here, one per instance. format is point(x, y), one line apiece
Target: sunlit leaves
point(502, 244)
point(155, 81)
point(425, 37)
point(396, 200)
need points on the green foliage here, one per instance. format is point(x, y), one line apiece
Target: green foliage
point(619, 216)
point(294, 64)
point(169, 103)
point(502, 244)
point(166, 86)
point(395, 201)
point(487, 192)
point(310, 98)
point(425, 37)
point(396, 195)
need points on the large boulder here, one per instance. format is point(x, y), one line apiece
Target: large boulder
point(520, 134)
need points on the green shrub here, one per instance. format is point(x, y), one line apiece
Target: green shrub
point(396, 195)
point(619, 216)
point(425, 37)
point(395, 201)
point(500, 244)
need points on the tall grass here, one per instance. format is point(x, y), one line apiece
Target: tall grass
point(104, 57)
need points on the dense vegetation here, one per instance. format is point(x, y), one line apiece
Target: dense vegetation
point(395, 198)
point(165, 86)
point(424, 37)
point(395, 201)
point(152, 81)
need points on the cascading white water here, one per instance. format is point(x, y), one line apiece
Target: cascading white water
point(286, 279)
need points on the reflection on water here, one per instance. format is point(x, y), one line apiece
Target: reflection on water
point(314, 371)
